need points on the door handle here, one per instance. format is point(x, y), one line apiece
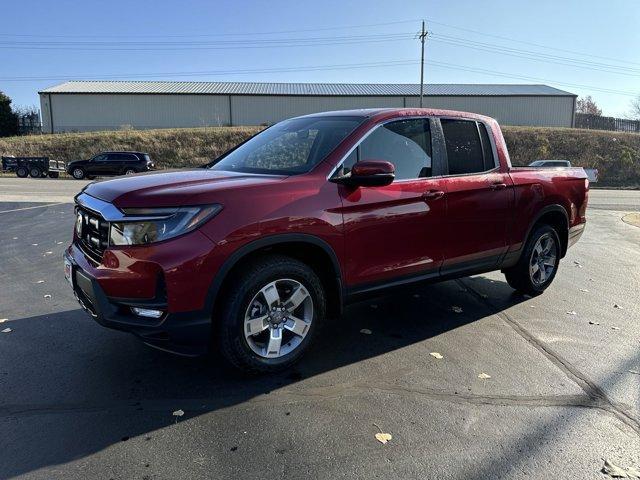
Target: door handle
point(498, 186)
point(432, 195)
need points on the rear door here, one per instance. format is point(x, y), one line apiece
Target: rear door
point(98, 164)
point(392, 232)
point(479, 197)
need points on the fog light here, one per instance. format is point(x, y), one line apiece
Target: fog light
point(146, 312)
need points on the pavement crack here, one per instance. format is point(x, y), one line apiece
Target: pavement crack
point(590, 388)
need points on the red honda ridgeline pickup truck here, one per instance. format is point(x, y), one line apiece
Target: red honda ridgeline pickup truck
point(250, 253)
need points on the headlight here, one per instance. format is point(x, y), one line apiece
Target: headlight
point(149, 225)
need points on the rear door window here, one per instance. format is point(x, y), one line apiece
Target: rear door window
point(464, 149)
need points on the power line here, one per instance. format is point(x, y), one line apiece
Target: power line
point(539, 45)
point(342, 27)
point(393, 63)
point(433, 63)
point(531, 55)
point(528, 78)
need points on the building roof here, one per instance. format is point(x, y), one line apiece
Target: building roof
point(320, 89)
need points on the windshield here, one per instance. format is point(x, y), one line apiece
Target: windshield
point(289, 147)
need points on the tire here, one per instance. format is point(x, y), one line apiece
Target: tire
point(35, 172)
point(251, 353)
point(537, 266)
point(130, 171)
point(54, 175)
point(22, 172)
point(78, 173)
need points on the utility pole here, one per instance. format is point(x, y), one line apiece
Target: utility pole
point(422, 36)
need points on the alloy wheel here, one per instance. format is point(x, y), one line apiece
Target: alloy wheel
point(543, 259)
point(278, 318)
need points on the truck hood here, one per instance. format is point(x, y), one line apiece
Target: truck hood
point(173, 188)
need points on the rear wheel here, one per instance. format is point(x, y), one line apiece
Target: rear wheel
point(22, 172)
point(78, 173)
point(129, 171)
point(538, 264)
point(271, 314)
point(35, 172)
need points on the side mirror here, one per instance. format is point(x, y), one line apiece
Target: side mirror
point(368, 173)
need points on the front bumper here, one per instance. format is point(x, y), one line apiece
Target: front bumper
point(184, 333)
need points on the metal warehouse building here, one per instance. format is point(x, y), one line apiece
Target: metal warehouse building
point(112, 105)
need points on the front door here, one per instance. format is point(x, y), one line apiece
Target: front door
point(392, 233)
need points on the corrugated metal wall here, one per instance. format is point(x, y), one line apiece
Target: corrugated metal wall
point(552, 111)
point(87, 112)
point(80, 113)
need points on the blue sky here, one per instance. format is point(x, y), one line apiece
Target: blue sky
point(586, 47)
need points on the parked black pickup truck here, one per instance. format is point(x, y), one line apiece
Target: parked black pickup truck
point(37, 167)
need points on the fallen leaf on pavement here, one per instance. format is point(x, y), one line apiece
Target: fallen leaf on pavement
point(634, 372)
point(572, 312)
point(366, 331)
point(40, 281)
point(614, 471)
point(484, 376)
point(34, 244)
point(615, 305)
point(382, 437)
point(615, 328)
point(47, 296)
point(584, 290)
point(436, 355)
point(577, 264)
point(456, 309)
point(178, 413)
point(591, 322)
point(58, 243)
point(6, 330)
point(633, 472)
point(15, 238)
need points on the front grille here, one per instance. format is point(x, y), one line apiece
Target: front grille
point(92, 233)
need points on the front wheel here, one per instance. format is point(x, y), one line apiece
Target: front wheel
point(271, 314)
point(129, 171)
point(77, 173)
point(538, 264)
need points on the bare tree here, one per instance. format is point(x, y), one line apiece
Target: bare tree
point(588, 105)
point(635, 108)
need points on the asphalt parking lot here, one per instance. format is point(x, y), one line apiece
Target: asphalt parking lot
point(81, 401)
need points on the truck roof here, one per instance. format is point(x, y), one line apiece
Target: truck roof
point(386, 113)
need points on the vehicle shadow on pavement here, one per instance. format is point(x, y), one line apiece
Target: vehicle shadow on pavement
point(85, 398)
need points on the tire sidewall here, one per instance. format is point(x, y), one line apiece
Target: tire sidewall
point(36, 170)
point(76, 169)
point(537, 233)
point(22, 172)
point(233, 318)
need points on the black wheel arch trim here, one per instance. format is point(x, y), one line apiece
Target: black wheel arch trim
point(267, 241)
point(510, 258)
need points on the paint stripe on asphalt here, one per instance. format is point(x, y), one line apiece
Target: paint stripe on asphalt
point(29, 208)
